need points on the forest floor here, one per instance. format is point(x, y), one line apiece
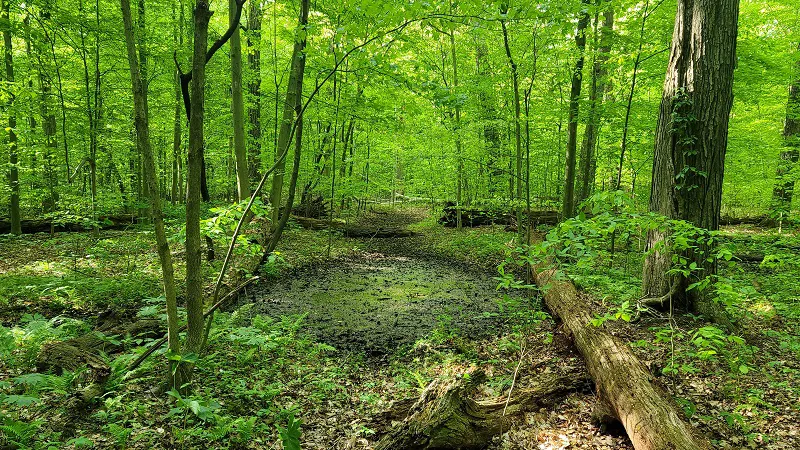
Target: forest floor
point(341, 329)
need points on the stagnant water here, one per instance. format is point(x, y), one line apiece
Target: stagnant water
point(377, 305)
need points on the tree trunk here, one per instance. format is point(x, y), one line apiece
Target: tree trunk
point(254, 88)
point(692, 134)
point(589, 146)
point(237, 107)
point(13, 171)
point(784, 178)
point(142, 123)
point(194, 276)
point(292, 92)
point(649, 415)
point(298, 145)
point(457, 127)
point(517, 127)
point(177, 133)
point(568, 205)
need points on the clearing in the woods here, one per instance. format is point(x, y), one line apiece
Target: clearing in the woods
point(347, 342)
point(400, 225)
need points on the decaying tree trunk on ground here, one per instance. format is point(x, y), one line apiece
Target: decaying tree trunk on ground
point(647, 412)
point(480, 217)
point(746, 220)
point(352, 230)
point(313, 207)
point(447, 417)
point(88, 350)
point(50, 225)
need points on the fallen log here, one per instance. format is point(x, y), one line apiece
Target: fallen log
point(651, 418)
point(311, 207)
point(90, 350)
point(447, 417)
point(354, 231)
point(51, 225)
point(472, 217)
point(765, 221)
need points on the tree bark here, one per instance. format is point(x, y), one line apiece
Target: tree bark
point(588, 158)
point(13, 170)
point(292, 92)
point(194, 276)
point(142, 123)
point(298, 143)
point(447, 417)
point(517, 125)
point(784, 179)
point(254, 88)
point(647, 412)
point(568, 204)
point(692, 135)
point(237, 108)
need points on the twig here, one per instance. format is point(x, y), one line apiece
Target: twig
point(513, 381)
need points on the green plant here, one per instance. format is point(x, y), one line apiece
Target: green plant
point(290, 436)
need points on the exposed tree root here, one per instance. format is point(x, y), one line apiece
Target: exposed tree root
point(447, 417)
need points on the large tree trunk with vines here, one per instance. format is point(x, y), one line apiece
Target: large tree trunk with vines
point(651, 418)
point(692, 137)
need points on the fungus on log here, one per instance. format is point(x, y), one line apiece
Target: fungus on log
point(447, 417)
point(648, 413)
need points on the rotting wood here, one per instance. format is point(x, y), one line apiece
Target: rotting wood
point(90, 350)
point(447, 417)
point(51, 225)
point(648, 413)
point(354, 231)
point(472, 217)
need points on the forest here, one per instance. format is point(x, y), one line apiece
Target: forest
point(388, 225)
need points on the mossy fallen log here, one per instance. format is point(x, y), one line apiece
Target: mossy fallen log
point(447, 417)
point(651, 418)
point(51, 225)
point(90, 351)
point(349, 230)
point(474, 217)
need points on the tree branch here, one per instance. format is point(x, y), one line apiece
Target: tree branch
point(186, 78)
